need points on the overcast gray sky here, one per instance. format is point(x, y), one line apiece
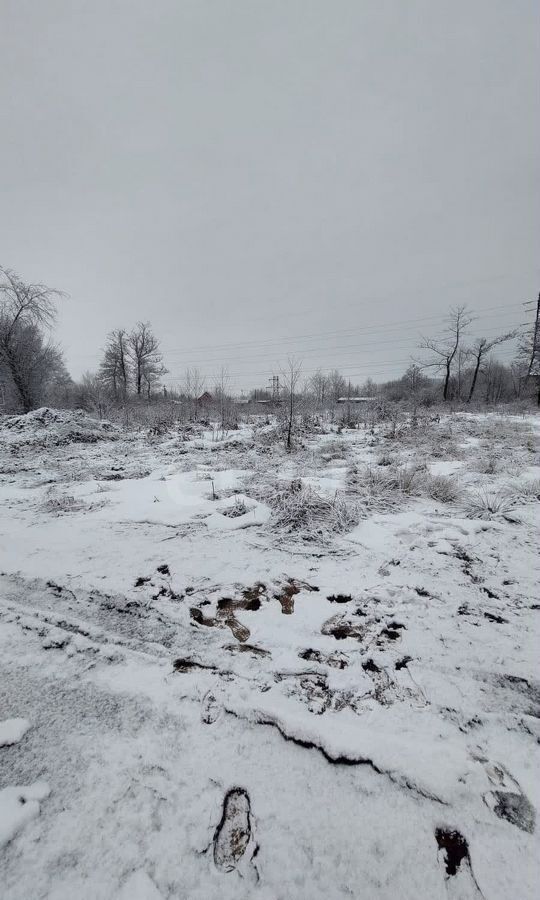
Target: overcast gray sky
point(298, 177)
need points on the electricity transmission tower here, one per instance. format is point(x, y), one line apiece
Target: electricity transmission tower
point(274, 380)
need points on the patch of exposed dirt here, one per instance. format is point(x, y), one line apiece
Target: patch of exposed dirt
point(287, 593)
point(310, 687)
point(335, 660)
point(340, 628)
point(515, 808)
point(240, 631)
point(198, 616)
point(142, 580)
point(454, 848)
point(403, 663)
point(254, 592)
point(227, 604)
point(369, 665)
point(190, 665)
point(166, 591)
point(247, 648)
point(391, 632)
point(492, 617)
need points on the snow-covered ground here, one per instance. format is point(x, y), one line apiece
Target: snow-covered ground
point(208, 692)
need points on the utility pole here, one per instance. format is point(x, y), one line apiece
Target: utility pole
point(535, 342)
point(535, 337)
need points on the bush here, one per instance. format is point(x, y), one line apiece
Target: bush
point(443, 489)
point(486, 504)
point(408, 478)
point(525, 491)
point(333, 449)
point(298, 509)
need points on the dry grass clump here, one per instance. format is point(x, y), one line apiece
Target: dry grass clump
point(385, 459)
point(443, 489)
point(486, 465)
point(372, 487)
point(333, 449)
point(525, 491)
point(299, 510)
point(410, 478)
point(489, 504)
point(239, 508)
point(381, 488)
point(57, 504)
point(446, 450)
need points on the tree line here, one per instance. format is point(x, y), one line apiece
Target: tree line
point(454, 366)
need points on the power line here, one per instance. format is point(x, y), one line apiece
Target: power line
point(398, 292)
point(265, 374)
point(266, 345)
point(383, 326)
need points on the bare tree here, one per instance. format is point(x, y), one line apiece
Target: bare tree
point(496, 378)
point(336, 385)
point(91, 394)
point(152, 375)
point(114, 369)
point(26, 309)
point(291, 378)
point(444, 351)
point(221, 394)
point(414, 380)
point(479, 351)
point(369, 388)
point(145, 355)
point(318, 384)
point(194, 384)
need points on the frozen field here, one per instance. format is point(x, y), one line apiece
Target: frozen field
point(229, 672)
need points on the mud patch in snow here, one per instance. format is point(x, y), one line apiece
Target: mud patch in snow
point(233, 834)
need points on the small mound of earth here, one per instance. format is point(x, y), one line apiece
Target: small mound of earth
point(55, 427)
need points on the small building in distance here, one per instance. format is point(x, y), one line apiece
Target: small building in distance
point(356, 399)
point(205, 399)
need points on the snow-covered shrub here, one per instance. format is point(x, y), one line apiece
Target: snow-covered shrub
point(486, 465)
point(379, 488)
point(524, 491)
point(443, 489)
point(333, 449)
point(298, 509)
